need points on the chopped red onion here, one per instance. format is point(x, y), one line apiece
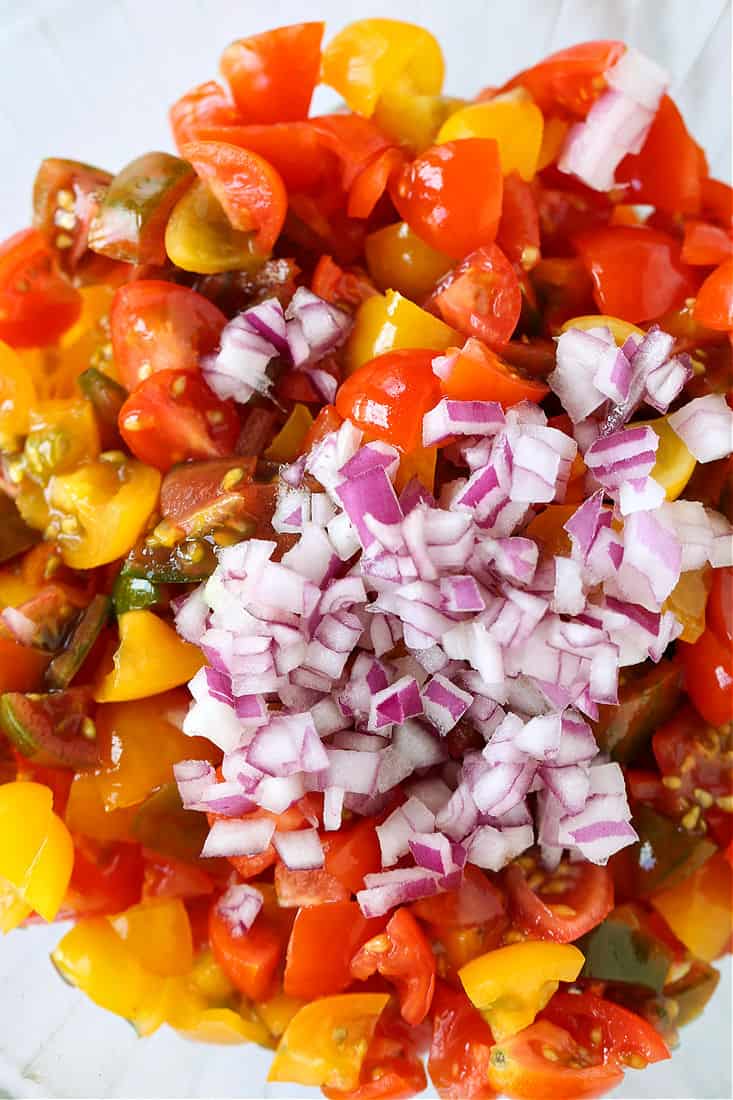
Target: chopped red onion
point(314, 327)
point(626, 455)
point(21, 628)
point(451, 418)
point(333, 808)
point(238, 838)
point(493, 848)
point(193, 777)
point(300, 850)
point(705, 426)
point(444, 704)
point(240, 905)
point(394, 834)
point(397, 888)
point(651, 563)
point(395, 703)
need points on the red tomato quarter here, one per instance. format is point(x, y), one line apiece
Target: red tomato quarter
point(544, 1062)
point(481, 297)
point(458, 1063)
point(37, 304)
point(669, 170)
point(272, 75)
point(388, 396)
point(620, 1036)
point(204, 106)
point(403, 955)
point(572, 78)
point(564, 905)
point(714, 304)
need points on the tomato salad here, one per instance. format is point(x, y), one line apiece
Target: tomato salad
point(366, 654)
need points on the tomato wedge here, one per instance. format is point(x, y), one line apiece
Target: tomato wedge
point(669, 170)
point(173, 416)
point(322, 944)
point(571, 78)
point(249, 189)
point(159, 326)
point(205, 105)
point(460, 1050)
point(475, 373)
point(481, 297)
point(708, 666)
point(403, 955)
point(714, 304)
point(248, 961)
point(620, 1036)
point(388, 396)
point(559, 905)
point(392, 1068)
point(272, 75)
point(37, 304)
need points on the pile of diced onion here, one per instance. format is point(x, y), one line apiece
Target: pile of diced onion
point(342, 667)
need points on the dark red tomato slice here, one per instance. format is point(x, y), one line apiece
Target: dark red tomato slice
point(481, 297)
point(708, 666)
point(558, 905)
point(705, 244)
point(392, 1068)
point(204, 106)
point(669, 170)
point(458, 1062)
point(173, 416)
point(637, 272)
point(451, 195)
point(566, 208)
point(719, 612)
point(518, 235)
point(249, 189)
point(388, 396)
point(37, 304)
point(571, 79)
point(272, 75)
point(66, 196)
point(544, 1062)
point(403, 955)
point(696, 767)
point(106, 878)
point(714, 304)
point(158, 326)
point(477, 901)
point(620, 1037)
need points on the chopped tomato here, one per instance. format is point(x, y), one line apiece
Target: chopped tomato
point(697, 771)
point(106, 878)
point(21, 666)
point(322, 944)
point(392, 1068)
point(158, 326)
point(705, 244)
point(619, 1036)
point(249, 960)
point(637, 272)
point(66, 196)
point(544, 1062)
point(292, 818)
point(349, 854)
point(272, 75)
point(669, 170)
point(714, 303)
point(327, 421)
point(458, 1063)
point(403, 955)
point(477, 901)
point(708, 666)
point(204, 106)
point(166, 877)
point(567, 208)
point(481, 297)
point(292, 148)
point(371, 183)
point(173, 416)
point(388, 396)
point(451, 195)
point(37, 304)
point(559, 905)
point(519, 228)
point(572, 78)
point(353, 141)
point(342, 287)
point(720, 604)
point(249, 189)
point(717, 202)
point(475, 373)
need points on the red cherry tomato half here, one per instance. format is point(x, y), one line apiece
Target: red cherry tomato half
point(518, 235)
point(637, 272)
point(572, 78)
point(272, 75)
point(403, 955)
point(460, 1049)
point(37, 304)
point(714, 304)
point(451, 195)
point(173, 416)
point(564, 904)
point(706, 244)
point(544, 1061)
point(481, 297)
point(204, 106)
point(388, 396)
point(249, 189)
point(669, 170)
point(606, 1029)
point(719, 610)
point(478, 374)
point(708, 666)
point(158, 326)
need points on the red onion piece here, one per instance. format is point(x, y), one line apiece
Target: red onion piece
point(300, 850)
point(705, 426)
point(240, 905)
point(238, 838)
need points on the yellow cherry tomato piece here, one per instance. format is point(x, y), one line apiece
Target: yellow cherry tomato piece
point(367, 56)
point(222, 1026)
point(411, 119)
point(151, 658)
point(63, 434)
point(510, 985)
point(620, 329)
point(514, 122)
point(158, 932)
point(326, 1041)
point(553, 138)
point(36, 854)
point(698, 909)
point(14, 588)
point(688, 601)
point(388, 321)
point(101, 509)
point(288, 443)
point(277, 1013)
point(675, 464)
point(17, 397)
point(86, 811)
point(209, 980)
point(397, 258)
point(199, 236)
point(419, 463)
point(13, 910)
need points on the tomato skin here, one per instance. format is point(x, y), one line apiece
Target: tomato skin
point(392, 1068)
point(388, 396)
point(708, 666)
point(477, 901)
point(571, 78)
point(479, 374)
point(173, 416)
point(322, 944)
point(204, 106)
point(37, 304)
point(481, 297)
point(720, 604)
point(637, 272)
point(625, 1036)
point(668, 172)
point(272, 75)
point(451, 195)
point(705, 244)
point(519, 228)
point(714, 304)
point(458, 1062)
point(249, 189)
point(105, 879)
point(158, 326)
point(717, 202)
point(402, 954)
point(249, 961)
point(519, 1067)
point(589, 892)
point(292, 148)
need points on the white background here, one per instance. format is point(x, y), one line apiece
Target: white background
point(92, 80)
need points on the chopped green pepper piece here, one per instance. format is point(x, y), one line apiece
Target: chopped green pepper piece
point(15, 535)
point(52, 729)
point(134, 594)
point(107, 398)
point(130, 223)
point(65, 665)
point(162, 824)
point(665, 854)
point(645, 701)
point(621, 950)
